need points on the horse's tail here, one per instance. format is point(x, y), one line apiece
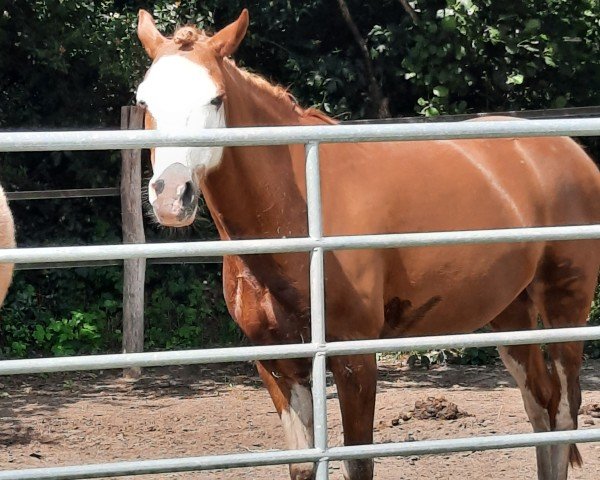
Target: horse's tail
point(575, 457)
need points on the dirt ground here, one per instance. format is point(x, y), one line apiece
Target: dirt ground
point(67, 419)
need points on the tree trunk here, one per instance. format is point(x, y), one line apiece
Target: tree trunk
point(376, 94)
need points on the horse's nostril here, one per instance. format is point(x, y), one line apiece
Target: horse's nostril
point(187, 197)
point(159, 186)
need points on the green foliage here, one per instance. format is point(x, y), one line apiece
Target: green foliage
point(595, 312)
point(61, 312)
point(187, 311)
point(593, 346)
point(461, 356)
point(477, 356)
point(57, 312)
point(462, 56)
point(68, 336)
point(504, 55)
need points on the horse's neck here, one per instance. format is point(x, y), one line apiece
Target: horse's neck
point(256, 191)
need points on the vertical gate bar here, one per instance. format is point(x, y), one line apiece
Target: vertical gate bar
point(317, 305)
point(313, 192)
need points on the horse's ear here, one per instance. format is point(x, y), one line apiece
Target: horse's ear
point(226, 41)
point(148, 34)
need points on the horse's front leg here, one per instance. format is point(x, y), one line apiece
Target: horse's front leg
point(288, 382)
point(356, 380)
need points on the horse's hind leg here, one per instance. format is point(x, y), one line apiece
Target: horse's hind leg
point(562, 291)
point(527, 366)
point(288, 382)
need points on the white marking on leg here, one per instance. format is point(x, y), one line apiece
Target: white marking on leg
point(298, 419)
point(298, 427)
point(538, 415)
point(564, 421)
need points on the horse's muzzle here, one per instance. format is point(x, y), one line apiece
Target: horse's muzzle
point(176, 196)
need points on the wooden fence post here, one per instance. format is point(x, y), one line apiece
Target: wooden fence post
point(134, 270)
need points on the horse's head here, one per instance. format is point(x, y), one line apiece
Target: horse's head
point(184, 88)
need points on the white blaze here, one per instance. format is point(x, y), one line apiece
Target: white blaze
point(177, 93)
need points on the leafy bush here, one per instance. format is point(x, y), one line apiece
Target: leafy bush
point(57, 312)
point(62, 312)
point(185, 310)
point(77, 334)
point(460, 356)
point(593, 346)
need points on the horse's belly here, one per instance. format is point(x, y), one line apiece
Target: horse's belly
point(456, 289)
point(453, 316)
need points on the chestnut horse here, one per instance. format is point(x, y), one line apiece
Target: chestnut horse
point(259, 192)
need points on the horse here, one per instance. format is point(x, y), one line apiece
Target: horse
point(369, 188)
point(7, 240)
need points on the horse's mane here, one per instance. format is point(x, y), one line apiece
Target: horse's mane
point(187, 35)
point(281, 93)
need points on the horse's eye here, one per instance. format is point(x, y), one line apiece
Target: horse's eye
point(142, 104)
point(217, 101)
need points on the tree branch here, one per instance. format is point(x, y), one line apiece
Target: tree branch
point(411, 11)
point(380, 101)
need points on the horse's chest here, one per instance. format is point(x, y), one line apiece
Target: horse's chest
point(255, 309)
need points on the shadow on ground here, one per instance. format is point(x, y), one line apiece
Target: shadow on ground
point(24, 395)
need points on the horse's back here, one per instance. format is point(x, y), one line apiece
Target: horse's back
point(568, 183)
point(566, 192)
point(567, 180)
point(453, 185)
point(458, 184)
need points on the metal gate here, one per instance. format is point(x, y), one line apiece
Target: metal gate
point(316, 244)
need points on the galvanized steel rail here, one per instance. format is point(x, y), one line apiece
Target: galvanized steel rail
point(281, 245)
point(279, 457)
point(254, 136)
point(317, 245)
point(303, 350)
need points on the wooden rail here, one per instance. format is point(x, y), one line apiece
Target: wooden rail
point(59, 194)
